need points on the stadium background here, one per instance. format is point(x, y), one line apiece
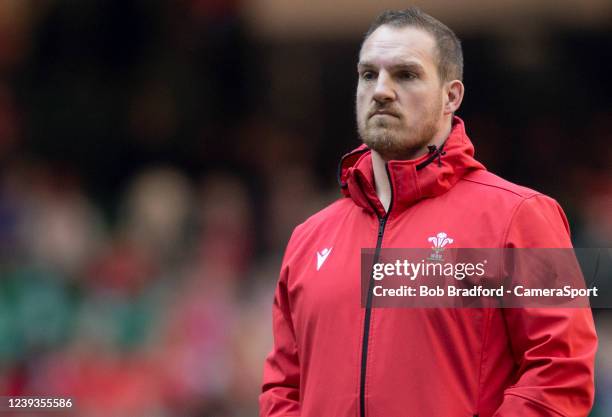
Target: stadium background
point(155, 156)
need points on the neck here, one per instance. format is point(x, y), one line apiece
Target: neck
point(381, 179)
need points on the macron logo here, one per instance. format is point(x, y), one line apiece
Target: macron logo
point(322, 256)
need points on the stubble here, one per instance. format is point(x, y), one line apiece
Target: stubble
point(395, 139)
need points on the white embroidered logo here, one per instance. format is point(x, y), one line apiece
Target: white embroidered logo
point(322, 256)
point(439, 242)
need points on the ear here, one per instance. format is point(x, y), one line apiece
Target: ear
point(453, 96)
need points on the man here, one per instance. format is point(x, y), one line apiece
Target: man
point(415, 177)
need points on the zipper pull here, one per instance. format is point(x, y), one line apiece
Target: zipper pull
point(381, 226)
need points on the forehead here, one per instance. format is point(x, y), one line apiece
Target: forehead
point(388, 44)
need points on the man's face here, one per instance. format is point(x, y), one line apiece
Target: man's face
point(399, 94)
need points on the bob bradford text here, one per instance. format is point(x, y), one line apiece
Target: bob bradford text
point(479, 291)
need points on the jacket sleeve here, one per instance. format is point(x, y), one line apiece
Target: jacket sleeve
point(554, 347)
point(280, 396)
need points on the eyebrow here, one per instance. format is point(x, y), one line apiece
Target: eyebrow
point(412, 65)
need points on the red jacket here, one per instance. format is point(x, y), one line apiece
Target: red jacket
point(334, 358)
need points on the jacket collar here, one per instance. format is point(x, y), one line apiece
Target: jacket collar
point(427, 176)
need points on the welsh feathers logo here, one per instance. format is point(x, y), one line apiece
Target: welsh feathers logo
point(438, 242)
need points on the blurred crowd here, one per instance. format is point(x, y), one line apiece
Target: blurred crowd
point(154, 159)
point(164, 313)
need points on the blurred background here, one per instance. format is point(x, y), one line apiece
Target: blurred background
point(155, 156)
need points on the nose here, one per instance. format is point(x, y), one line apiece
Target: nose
point(383, 91)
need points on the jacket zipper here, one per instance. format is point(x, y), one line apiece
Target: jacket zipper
point(382, 222)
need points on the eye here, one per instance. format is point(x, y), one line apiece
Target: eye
point(406, 75)
point(368, 75)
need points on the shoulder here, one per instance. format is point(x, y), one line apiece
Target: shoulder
point(532, 219)
point(325, 217)
point(311, 234)
point(483, 192)
point(487, 186)
point(488, 182)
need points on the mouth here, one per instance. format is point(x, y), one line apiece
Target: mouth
point(384, 113)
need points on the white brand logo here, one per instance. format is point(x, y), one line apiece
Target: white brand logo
point(439, 242)
point(322, 256)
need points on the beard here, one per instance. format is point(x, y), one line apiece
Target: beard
point(394, 139)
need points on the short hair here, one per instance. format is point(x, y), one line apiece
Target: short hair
point(449, 52)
